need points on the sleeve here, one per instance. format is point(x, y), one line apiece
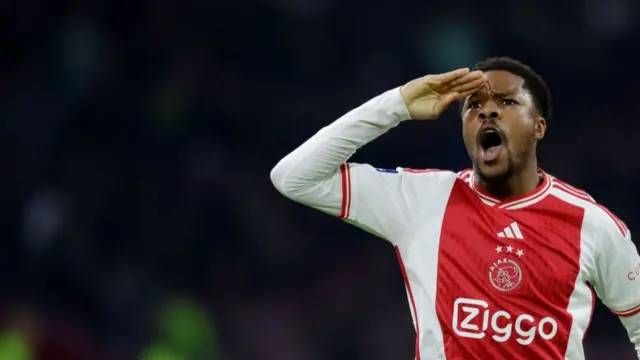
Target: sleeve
point(618, 276)
point(380, 201)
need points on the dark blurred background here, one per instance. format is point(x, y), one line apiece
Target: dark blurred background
point(138, 219)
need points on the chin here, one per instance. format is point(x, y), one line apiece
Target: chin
point(499, 170)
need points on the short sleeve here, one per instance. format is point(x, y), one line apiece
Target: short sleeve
point(618, 269)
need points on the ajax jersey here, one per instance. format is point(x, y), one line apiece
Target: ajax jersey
point(485, 278)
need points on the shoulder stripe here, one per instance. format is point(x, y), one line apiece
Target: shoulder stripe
point(619, 223)
point(573, 191)
point(582, 195)
point(420, 171)
point(345, 171)
point(571, 187)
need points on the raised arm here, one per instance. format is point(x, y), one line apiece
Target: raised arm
point(316, 174)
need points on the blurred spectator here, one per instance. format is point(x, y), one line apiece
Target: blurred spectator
point(185, 333)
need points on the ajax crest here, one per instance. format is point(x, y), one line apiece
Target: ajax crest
point(505, 274)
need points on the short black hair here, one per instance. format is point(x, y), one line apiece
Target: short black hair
point(532, 81)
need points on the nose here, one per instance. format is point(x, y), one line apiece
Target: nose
point(486, 115)
point(490, 111)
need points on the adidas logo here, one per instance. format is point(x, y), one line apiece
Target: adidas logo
point(511, 232)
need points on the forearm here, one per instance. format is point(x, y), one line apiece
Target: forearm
point(320, 156)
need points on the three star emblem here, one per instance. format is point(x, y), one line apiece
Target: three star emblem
point(509, 250)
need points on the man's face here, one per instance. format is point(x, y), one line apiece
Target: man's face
point(501, 125)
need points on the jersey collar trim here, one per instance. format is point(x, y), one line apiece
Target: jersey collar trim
point(518, 202)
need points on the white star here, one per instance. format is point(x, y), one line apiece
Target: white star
point(498, 249)
point(509, 248)
point(520, 253)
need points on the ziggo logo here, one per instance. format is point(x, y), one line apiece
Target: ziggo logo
point(473, 319)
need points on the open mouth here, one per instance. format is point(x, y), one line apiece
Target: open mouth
point(491, 142)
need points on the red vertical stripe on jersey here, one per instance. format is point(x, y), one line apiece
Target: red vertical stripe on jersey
point(345, 171)
point(411, 300)
point(480, 320)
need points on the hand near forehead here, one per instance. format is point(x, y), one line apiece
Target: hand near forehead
point(429, 96)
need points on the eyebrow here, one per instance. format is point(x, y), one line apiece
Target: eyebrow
point(499, 94)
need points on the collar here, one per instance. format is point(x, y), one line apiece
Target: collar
point(518, 202)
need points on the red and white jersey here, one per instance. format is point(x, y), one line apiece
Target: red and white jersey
point(485, 278)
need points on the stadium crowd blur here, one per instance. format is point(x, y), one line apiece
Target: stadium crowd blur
point(138, 219)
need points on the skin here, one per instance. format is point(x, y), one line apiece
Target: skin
point(495, 99)
point(506, 104)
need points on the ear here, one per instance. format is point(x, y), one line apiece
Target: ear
point(540, 128)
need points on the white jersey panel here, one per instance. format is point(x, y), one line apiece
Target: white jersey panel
point(419, 249)
point(389, 202)
point(608, 262)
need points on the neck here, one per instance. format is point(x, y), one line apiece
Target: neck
point(518, 183)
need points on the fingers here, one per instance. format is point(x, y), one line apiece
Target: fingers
point(451, 75)
point(470, 85)
point(469, 77)
point(444, 102)
point(464, 94)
